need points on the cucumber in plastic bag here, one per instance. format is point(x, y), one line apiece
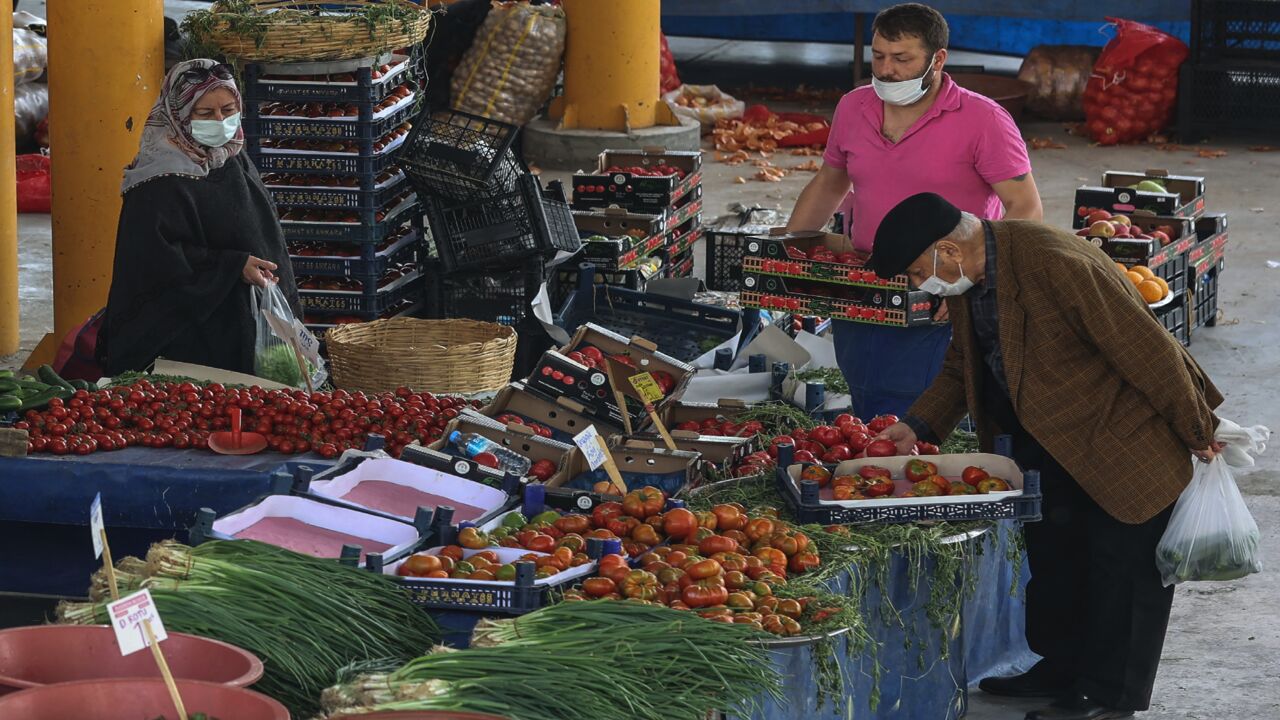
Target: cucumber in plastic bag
point(1211, 535)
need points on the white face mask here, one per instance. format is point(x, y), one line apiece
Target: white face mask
point(215, 133)
point(935, 285)
point(906, 92)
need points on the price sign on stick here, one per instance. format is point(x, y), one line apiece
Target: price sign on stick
point(596, 452)
point(128, 616)
point(651, 393)
point(96, 527)
point(618, 396)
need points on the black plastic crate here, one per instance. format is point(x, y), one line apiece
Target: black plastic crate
point(1204, 297)
point(505, 229)
point(1174, 272)
point(368, 262)
point(351, 232)
point(682, 329)
point(357, 86)
point(566, 280)
point(371, 300)
point(461, 156)
point(337, 198)
point(1223, 97)
point(1174, 319)
point(724, 260)
point(367, 125)
point(502, 297)
point(1235, 30)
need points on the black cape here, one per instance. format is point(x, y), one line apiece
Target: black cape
point(177, 290)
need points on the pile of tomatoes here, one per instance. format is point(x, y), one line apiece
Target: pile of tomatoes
point(722, 563)
point(848, 439)
point(452, 561)
point(181, 416)
point(654, 171)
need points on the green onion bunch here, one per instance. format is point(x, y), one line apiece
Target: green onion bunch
point(585, 661)
point(306, 618)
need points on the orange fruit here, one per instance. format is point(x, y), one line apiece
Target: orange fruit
point(1122, 267)
point(1164, 286)
point(1151, 291)
point(1135, 277)
point(1144, 271)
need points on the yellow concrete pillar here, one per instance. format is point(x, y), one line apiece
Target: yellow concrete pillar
point(612, 72)
point(106, 61)
point(8, 195)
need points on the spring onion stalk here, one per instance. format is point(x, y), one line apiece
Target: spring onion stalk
point(307, 618)
point(585, 661)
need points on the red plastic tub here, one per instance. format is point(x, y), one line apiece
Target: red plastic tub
point(47, 654)
point(135, 698)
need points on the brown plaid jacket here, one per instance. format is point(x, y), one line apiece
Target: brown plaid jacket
point(1092, 374)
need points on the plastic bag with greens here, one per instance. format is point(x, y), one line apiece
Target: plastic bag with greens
point(1211, 535)
point(279, 332)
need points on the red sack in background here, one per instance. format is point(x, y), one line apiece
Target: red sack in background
point(670, 80)
point(1134, 87)
point(761, 115)
point(77, 357)
point(33, 183)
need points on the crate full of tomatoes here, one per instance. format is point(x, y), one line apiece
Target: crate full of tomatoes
point(819, 256)
point(545, 455)
point(649, 181)
point(894, 488)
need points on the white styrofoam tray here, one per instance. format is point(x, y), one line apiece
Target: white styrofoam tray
point(505, 555)
point(951, 466)
point(400, 536)
point(416, 477)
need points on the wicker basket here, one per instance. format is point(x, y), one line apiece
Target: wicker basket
point(439, 356)
point(307, 30)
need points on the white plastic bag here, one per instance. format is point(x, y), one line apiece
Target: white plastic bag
point(280, 339)
point(707, 104)
point(1211, 535)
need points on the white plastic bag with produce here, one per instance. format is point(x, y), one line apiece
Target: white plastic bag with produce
point(281, 339)
point(707, 104)
point(1211, 535)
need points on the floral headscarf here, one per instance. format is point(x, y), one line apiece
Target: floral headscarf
point(167, 146)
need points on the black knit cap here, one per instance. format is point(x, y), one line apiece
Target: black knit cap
point(908, 230)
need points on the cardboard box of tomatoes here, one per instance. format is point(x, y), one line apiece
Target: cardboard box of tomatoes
point(649, 180)
point(580, 372)
point(816, 256)
point(558, 419)
point(545, 454)
point(879, 306)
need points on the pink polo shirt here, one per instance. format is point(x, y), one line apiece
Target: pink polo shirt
point(960, 148)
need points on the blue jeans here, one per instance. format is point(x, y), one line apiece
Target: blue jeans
point(887, 368)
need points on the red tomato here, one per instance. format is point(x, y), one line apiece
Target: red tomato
point(826, 435)
point(487, 459)
point(881, 448)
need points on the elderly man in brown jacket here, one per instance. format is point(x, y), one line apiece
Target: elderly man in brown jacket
point(1055, 347)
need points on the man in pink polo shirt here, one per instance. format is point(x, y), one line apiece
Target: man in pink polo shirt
point(913, 130)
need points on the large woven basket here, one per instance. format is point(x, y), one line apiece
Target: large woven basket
point(309, 30)
point(439, 356)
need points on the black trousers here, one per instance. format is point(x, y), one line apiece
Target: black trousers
point(1096, 608)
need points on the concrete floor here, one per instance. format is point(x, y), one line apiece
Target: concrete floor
point(1222, 654)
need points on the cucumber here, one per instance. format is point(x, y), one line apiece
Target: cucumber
point(41, 399)
point(8, 387)
point(6, 374)
point(49, 377)
point(29, 392)
point(81, 385)
point(10, 402)
point(32, 385)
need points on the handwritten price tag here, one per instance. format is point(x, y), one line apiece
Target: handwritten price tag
point(588, 441)
point(127, 617)
point(647, 387)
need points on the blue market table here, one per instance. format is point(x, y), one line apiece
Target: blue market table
point(147, 495)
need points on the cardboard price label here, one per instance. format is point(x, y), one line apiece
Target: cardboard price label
point(96, 527)
point(648, 388)
point(128, 615)
point(588, 441)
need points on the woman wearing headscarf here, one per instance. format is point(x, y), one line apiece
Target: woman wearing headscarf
point(198, 230)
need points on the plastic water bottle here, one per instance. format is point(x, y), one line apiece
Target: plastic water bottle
point(472, 444)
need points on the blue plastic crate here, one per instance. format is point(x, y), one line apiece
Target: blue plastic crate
point(369, 300)
point(682, 329)
point(336, 198)
point(370, 264)
point(367, 126)
point(367, 162)
point(262, 86)
point(366, 230)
